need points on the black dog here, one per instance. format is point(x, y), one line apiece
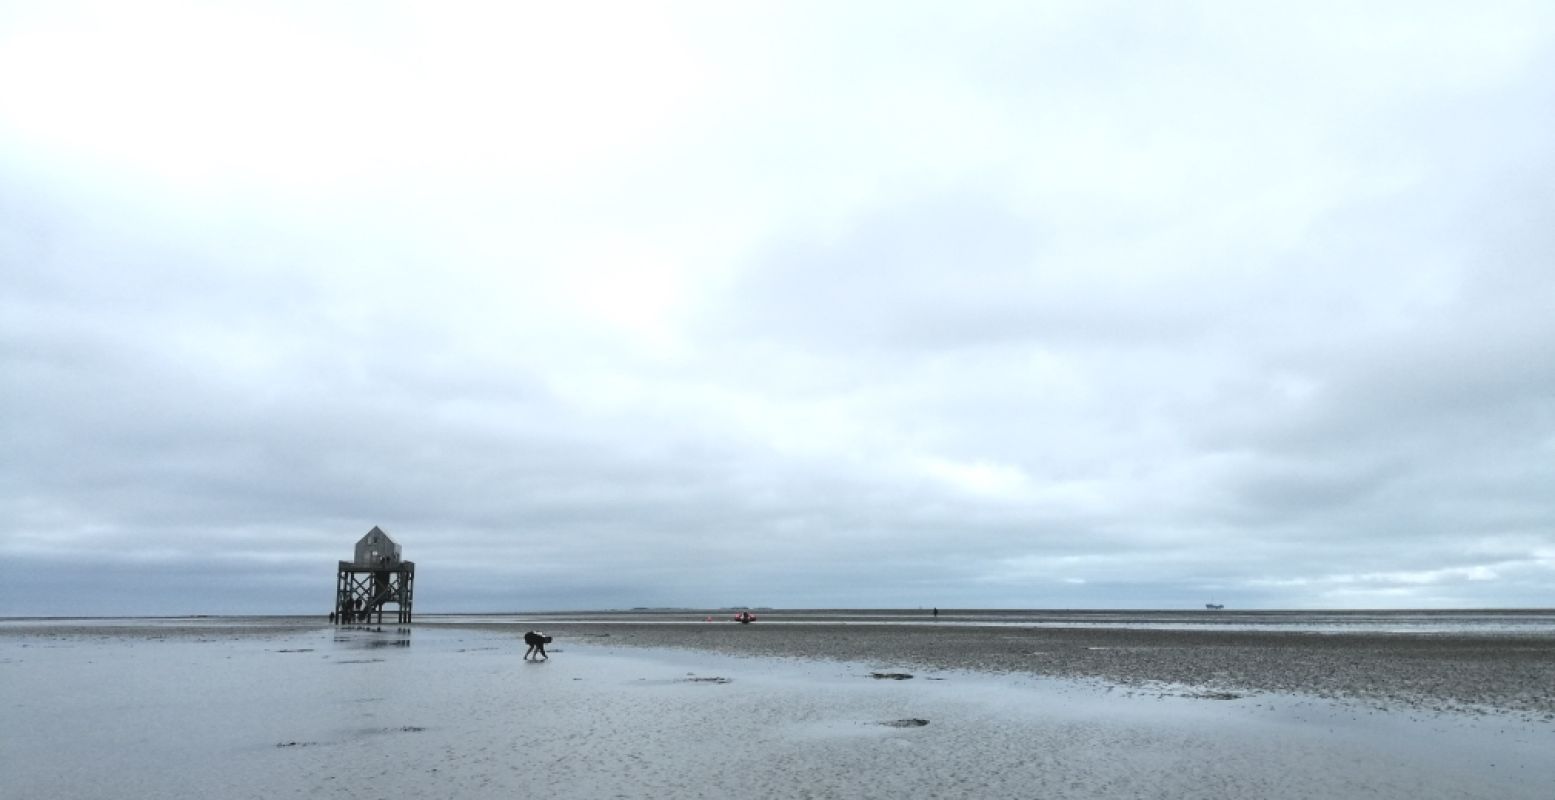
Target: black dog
point(537, 642)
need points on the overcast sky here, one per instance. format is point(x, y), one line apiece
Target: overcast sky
point(1085, 305)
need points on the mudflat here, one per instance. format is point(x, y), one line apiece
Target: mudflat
point(1486, 672)
point(269, 707)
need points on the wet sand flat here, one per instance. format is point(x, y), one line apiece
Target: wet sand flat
point(1508, 673)
point(436, 711)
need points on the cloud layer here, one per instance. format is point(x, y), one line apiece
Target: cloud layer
point(1066, 306)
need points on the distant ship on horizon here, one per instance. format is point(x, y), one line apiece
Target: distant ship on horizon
point(1214, 606)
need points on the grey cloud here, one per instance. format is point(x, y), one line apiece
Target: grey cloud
point(1042, 307)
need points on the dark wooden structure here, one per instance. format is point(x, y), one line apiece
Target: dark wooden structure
point(376, 577)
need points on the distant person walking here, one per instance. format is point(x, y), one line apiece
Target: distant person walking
point(936, 612)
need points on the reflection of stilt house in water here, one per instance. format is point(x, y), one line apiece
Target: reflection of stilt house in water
point(375, 578)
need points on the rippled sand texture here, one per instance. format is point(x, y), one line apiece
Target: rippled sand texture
point(445, 713)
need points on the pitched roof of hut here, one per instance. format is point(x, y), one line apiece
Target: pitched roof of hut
point(376, 531)
point(376, 547)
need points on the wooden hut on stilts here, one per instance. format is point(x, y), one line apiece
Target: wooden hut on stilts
point(376, 577)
